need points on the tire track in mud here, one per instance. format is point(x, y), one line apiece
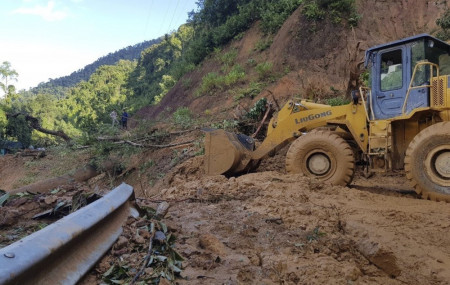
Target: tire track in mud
point(323, 233)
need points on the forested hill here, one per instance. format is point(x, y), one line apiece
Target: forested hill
point(219, 67)
point(128, 53)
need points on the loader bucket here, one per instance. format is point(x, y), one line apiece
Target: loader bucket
point(226, 153)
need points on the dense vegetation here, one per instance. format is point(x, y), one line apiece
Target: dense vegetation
point(80, 104)
point(444, 24)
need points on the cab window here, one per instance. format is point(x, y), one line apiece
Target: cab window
point(391, 70)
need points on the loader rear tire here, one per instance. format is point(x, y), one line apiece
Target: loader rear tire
point(427, 162)
point(322, 155)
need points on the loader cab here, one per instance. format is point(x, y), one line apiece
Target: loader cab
point(391, 68)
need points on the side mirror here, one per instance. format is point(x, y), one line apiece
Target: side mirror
point(355, 96)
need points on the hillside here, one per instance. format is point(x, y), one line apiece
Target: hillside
point(265, 227)
point(128, 53)
point(311, 59)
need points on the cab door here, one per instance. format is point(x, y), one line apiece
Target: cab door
point(390, 85)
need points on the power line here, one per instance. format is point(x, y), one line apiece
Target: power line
point(148, 18)
point(173, 16)
point(164, 19)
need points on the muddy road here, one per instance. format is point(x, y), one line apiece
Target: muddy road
point(271, 227)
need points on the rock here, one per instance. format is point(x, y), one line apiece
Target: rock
point(144, 233)
point(17, 202)
point(163, 281)
point(351, 272)
point(162, 210)
point(149, 271)
point(160, 236)
point(138, 239)
point(382, 257)
point(8, 217)
point(50, 199)
point(211, 243)
point(141, 223)
point(121, 243)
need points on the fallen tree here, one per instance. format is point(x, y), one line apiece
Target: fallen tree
point(34, 123)
point(79, 175)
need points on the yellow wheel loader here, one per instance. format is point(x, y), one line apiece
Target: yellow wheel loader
point(400, 122)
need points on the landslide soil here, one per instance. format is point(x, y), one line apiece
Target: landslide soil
point(270, 227)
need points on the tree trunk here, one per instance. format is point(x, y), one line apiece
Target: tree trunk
point(81, 174)
point(34, 123)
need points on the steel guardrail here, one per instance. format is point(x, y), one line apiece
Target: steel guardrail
point(63, 252)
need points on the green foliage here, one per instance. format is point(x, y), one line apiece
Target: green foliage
point(219, 21)
point(336, 10)
point(251, 62)
point(275, 14)
point(264, 70)
point(227, 125)
point(263, 43)
point(258, 109)
point(7, 74)
point(210, 82)
point(183, 117)
point(214, 82)
point(251, 91)
point(236, 73)
point(3, 121)
point(90, 103)
point(337, 101)
point(312, 11)
point(444, 23)
point(228, 58)
point(18, 128)
point(166, 84)
point(315, 234)
point(163, 59)
point(365, 78)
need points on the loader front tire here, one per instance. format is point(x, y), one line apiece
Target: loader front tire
point(427, 162)
point(322, 155)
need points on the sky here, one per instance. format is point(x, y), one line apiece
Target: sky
point(44, 39)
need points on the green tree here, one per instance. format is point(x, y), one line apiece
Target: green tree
point(19, 129)
point(7, 74)
point(89, 103)
point(444, 24)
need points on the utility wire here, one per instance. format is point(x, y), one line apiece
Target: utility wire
point(148, 18)
point(173, 16)
point(164, 19)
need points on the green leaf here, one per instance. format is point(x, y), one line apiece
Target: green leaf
point(161, 258)
point(54, 191)
point(150, 260)
point(163, 227)
point(176, 256)
point(174, 268)
point(59, 205)
point(3, 199)
point(110, 270)
point(23, 194)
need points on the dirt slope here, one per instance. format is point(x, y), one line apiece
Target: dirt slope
point(309, 58)
point(274, 228)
